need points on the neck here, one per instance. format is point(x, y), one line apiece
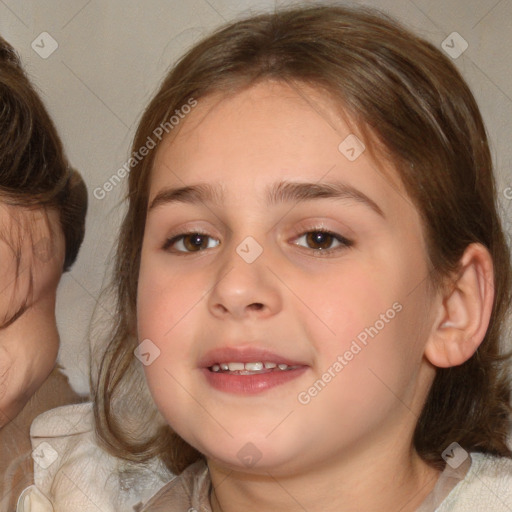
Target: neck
point(386, 483)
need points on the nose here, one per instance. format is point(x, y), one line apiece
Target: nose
point(243, 290)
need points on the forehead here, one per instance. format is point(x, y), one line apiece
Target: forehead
point(256, 118)
point(269, 132)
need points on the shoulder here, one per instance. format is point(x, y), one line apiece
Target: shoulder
point(487, 486)
point(75, 473)
point(63, 421)
point(187, 491)
point(16, 463)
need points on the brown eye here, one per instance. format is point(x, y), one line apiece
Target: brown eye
point(189, 242)
point(195, 241)
point(323, 241)
point(319, 239)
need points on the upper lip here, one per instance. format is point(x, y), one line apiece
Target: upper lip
point(245, 355)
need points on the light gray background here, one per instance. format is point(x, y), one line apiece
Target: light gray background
point(111, 56)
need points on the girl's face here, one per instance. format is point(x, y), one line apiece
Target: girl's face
point(271, 239)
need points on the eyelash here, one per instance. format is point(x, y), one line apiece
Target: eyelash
point(344, 242)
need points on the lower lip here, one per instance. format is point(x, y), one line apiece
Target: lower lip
point(250, 384)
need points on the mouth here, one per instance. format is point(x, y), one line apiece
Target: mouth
point(252, 368)
point(248, 370)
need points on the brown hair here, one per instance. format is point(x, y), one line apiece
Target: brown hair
point(401, 91)
point(34, 172)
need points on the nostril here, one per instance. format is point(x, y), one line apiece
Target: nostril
point(256, 305)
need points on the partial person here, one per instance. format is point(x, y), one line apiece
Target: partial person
point(43, 205)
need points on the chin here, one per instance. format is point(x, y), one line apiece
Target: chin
point(254, 455)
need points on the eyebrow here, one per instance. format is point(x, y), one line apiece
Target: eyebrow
point(281, 192)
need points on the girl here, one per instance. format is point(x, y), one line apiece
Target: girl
point(42, 219)
point(313, 273)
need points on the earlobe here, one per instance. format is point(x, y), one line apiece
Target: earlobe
point(464, 314)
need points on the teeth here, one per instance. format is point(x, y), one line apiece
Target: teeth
point(253, 367)
point(250, 367)
point(233, 367)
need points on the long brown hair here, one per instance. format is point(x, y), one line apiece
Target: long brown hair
point(401, 91)
point(34, 172)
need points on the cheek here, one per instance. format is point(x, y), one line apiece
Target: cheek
point(342, 304)
point(163, 298)
point(368, 315)
point(168, 305)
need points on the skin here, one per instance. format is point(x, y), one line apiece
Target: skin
point(29, 346)
point(350, 448)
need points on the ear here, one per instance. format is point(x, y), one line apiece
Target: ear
point(464, 314)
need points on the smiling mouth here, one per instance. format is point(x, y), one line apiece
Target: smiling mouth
point(254, 368)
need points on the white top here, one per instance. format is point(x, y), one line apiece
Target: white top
point(73, 474)
point(485, 485)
